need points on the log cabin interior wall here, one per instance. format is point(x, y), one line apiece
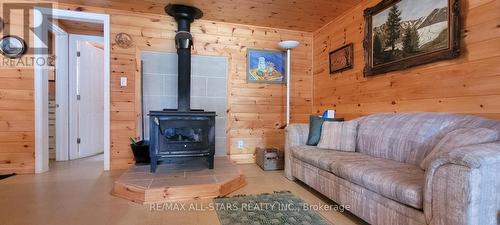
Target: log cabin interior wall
point(255, 111)
point(17, 131)
point(17, 126)
point(468, 84)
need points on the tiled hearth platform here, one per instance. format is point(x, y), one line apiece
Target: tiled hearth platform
point(179, 182)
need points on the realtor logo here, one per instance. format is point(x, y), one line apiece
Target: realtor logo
point(18, 31)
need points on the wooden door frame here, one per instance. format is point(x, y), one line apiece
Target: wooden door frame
point(62, 120)
point(41, 82)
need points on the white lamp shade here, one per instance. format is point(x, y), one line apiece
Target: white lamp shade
point(288, 44)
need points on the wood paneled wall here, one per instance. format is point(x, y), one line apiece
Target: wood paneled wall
point(17, 121)
point(469, 84)
point(255, 111)
point(17, 126)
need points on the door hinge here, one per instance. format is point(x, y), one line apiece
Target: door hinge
point(78, 140)
point(78, 54)
point(78, 97)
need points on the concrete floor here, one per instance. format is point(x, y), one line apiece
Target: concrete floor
point(78, 192)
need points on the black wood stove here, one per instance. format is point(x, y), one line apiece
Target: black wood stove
point(183, 132)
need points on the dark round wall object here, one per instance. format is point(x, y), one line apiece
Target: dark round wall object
point(183, 12)
point(12, 46)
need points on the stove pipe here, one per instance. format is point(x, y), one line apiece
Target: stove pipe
point(184, 15)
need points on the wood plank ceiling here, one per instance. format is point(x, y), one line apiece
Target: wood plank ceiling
point(78, 27)
point(302, 15)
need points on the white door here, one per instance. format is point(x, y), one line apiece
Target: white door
point(62, 96)
point(86, 66)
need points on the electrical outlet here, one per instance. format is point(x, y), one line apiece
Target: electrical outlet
point(123, 81)
point(240, 144)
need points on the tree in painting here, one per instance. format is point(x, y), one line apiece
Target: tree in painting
point(393, 29)
point(377, 45)
point(410, 40)
point(409, 28)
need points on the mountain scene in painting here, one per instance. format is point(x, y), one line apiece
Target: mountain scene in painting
point(409, 28)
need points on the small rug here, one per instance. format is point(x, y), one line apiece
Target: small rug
point(3, 176)
point(281, 208)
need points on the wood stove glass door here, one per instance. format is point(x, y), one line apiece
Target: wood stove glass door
point(184, 136)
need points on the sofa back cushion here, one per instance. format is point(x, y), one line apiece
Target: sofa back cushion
point(404, 137)
point(339, 136)
point(459, 138)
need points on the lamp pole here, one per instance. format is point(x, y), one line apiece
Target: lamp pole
point(288, 45)
point(288, 51)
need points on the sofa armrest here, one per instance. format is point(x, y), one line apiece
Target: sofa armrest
point(295, 135)
point(463, 186)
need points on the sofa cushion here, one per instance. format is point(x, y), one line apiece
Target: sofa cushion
point(400, 182)
point(460, 138)
point(404, 137)
point(339, 136)
point(322, 158)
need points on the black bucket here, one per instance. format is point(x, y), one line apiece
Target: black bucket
point(141, 152)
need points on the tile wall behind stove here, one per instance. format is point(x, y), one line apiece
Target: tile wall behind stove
point(208, 88)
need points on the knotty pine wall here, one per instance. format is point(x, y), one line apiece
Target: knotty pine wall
point(17, 121)
point(255, 111)
point(17, 118)
point(469, 84)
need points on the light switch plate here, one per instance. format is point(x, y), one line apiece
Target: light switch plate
point(123, 81)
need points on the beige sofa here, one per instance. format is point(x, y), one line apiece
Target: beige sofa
point(382, 181)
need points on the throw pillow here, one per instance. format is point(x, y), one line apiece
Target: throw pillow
point(459, 138)
point(339, 136)
point(315, 124)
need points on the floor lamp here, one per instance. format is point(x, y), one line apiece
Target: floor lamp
point(288, 45)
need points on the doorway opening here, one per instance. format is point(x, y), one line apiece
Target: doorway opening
point(76, 96)
point(72, 95)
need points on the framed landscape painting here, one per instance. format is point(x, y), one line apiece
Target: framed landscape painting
point(266, 66)
point(403, 33)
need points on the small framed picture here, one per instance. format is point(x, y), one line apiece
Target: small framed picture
point(341, 59)
point(265, 66)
